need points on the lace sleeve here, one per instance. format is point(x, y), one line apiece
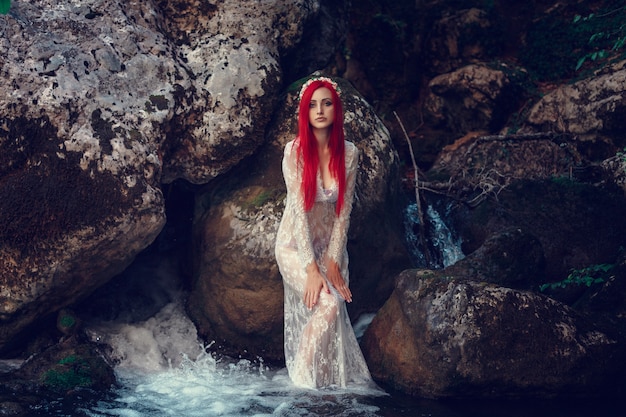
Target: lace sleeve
point(339, 236)
point(295, 204)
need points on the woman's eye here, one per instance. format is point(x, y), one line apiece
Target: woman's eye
point(328, 103)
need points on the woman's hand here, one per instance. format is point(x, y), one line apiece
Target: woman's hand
point(334, 276)
point(315, 283)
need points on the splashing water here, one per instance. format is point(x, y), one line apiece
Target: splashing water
point(157, 379)
point(207, 387)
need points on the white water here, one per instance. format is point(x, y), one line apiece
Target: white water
point(163, 370)
point(442, 239)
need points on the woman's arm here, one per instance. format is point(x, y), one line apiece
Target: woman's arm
point(295, 204)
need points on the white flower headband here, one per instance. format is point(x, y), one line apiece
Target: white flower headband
point(311, 80)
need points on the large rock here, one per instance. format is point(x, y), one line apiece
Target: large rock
point(593, 109)
point(237, 296)
point(67, 370)
point(472, 98)
point(510, 258)
point(442, 337)
point(102, 102)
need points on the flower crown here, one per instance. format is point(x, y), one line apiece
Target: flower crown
point(312, 80)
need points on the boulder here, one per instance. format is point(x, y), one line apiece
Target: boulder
point(510, 257)
point(593, 109)
point(68, 370)
point(477, 165)
point(459, 37)
point(100, 103)
point(576, 225)
point(440, 336)
point(472, 98)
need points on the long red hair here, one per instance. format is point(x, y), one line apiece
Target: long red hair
point(307, 149)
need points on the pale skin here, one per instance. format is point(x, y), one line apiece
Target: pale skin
point(321, 116)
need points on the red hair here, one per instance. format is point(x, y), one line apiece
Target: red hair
point(307, 151)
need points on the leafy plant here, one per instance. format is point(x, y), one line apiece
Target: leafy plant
point(594, 274)
point(609, 39)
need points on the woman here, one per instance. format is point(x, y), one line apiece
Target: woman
point(319, 167)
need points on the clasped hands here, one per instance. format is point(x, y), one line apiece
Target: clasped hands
point(315, 283)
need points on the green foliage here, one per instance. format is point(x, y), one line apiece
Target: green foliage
point(557, 46)
point(610, 35)
point(594, 274)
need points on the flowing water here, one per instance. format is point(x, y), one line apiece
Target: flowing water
point(443, 245)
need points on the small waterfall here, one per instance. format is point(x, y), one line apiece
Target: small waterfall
point(444, 245)
point(159, 343)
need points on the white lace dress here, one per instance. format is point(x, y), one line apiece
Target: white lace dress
point(321, 349)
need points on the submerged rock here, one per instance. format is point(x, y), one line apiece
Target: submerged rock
point(71, 368)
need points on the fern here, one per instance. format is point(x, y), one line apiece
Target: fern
point(594, 274)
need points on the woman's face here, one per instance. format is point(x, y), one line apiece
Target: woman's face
point(321, 109)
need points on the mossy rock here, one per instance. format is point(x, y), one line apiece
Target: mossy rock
point(69, 365)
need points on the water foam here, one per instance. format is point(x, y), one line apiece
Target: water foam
point(163, 370)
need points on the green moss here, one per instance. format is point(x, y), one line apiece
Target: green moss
point(69, 360)
point(260, 199)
